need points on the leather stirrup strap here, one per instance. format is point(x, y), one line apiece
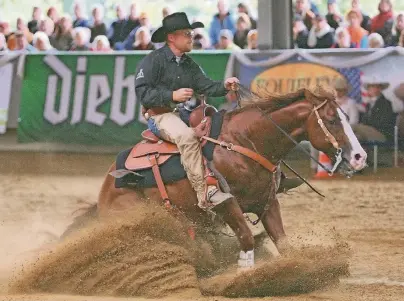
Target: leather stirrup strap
point(246, 152)
point(159, 180)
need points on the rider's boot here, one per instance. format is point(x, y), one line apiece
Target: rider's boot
point(288, 183)
point(215, 197)
point(212, 195)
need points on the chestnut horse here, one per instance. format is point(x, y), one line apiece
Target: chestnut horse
point(311, 115)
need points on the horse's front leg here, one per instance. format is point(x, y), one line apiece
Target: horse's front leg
point(232, 214)
point(273, 224)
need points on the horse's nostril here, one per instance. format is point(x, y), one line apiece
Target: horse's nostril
point(357, 157)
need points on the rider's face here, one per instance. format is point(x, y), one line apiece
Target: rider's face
point(182, 39)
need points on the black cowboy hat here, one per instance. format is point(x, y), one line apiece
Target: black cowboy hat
point(171, 23)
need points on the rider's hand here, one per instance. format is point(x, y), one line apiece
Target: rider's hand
point(231, 83)
point(182, 94)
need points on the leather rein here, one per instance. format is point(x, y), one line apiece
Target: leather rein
point(268, 165)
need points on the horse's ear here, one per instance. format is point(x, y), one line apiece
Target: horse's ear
point(318, 93)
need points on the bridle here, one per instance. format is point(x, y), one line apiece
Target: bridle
point(329, 137)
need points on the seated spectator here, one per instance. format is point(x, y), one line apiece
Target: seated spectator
point(375, 40)
point(81, 39)
point(21, 43)
point(321, 34)
point(52, 13)
point(252, 39)
point(145, 21)
point(81, 19)
point(101, 43)
point(127, 44)
point(242, 7)
point(98, 28)
point(3, 43)
point(222, 20)
point(397, 30)
point(378, 122)
point(343, 39)
point(302, 8)
point(243, 27)
point(116, 29)
point(21, 28)
point(383, 22)
point(47, 26)
point(365, 23)
point(313, 7)
point(63, 37)
point(54, 16)
point(36, 17)
point(132, 22)
point(5, 30)
point(143, 39)
point(41, 42)
point(359, 36)
point(201, 39)
point(300, 33)
point(347, 104)
point(167, 10)
point(334, 17)
point(399, 93)
point(226, 40)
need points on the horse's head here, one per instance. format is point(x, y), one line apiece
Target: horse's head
point(329, 131)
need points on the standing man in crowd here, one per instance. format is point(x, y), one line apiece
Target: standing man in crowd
point(378, 121)
point(222, 20)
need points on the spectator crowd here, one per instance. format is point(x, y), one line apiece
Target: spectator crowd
point(132, 29)
point(355, 29)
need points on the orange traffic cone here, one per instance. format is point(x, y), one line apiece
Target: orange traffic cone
point(321, 172)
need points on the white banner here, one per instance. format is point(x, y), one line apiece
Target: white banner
point(6, 78)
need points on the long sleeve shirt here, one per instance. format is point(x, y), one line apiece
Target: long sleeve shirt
point(159, 74)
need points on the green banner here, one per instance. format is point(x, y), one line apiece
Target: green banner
point(89, 99)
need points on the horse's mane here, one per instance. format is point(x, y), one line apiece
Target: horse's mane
point(266, 101)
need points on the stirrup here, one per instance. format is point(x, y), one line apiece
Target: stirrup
point(214, 196)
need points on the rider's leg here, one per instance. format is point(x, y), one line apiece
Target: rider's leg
point(173, 129)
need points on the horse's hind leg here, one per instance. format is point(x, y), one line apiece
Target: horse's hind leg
point(273, 224)
point(232, 214)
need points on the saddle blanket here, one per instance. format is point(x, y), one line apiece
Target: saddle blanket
point(171, 171)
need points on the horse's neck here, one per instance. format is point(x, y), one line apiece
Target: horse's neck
point(260, 134)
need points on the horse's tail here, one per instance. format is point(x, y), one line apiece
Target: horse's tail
point(89, 215)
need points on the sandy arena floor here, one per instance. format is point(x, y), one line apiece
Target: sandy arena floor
point(39, 192)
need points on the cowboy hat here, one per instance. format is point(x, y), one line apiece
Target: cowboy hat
point(373, 80)
point(171, 23)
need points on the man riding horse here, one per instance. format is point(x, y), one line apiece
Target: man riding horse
point(167, 77)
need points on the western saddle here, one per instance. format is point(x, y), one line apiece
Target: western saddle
point(152, 151)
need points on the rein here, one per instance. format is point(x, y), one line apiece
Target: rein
point(329, 136)
point(338, 156)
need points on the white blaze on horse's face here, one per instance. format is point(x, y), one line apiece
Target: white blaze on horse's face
point(357, 155)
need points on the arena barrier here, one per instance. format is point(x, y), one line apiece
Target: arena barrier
point(88, 98)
